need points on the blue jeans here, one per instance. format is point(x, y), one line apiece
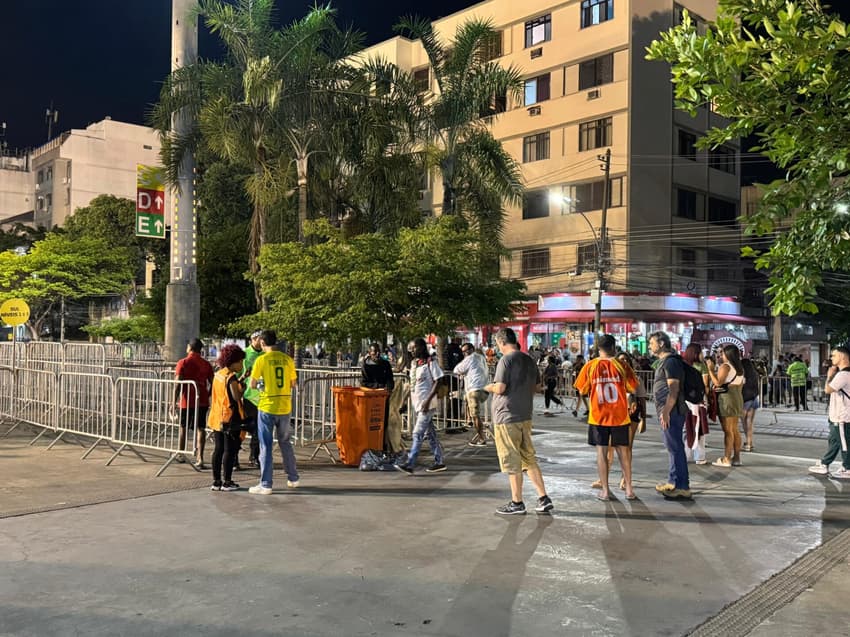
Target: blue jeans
point(266, 425)
point(425, 428)
point(676, 450)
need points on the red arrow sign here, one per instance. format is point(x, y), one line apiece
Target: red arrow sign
point(150, 201)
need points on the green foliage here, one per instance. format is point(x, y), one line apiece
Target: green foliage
point(478, 174)
point(779, 70)
point(136, 329)
point(424, 280)
point(58, 267)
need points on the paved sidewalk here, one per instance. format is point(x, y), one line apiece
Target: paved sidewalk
point(354, 553)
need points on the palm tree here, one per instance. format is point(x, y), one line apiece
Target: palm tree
point(478, 175)
point(240, 106)
point(368, 178)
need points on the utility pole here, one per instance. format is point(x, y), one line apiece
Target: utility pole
point(601, 251)
point(51, 117)
point(182, 296)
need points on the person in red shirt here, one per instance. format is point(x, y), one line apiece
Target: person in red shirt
point(608, 382)
point(195, 368)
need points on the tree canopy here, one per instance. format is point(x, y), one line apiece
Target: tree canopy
point(420, 281)
point(58, 267)
point(779, 70)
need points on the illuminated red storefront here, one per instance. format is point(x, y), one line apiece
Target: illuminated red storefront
point(565, 321)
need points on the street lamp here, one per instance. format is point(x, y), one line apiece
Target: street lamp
point(568, 203)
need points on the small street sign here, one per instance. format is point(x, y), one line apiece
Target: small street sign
point(14, 312)
point(150, 225)
point(150, 201)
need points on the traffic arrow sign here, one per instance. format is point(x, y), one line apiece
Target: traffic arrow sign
point(150, 225)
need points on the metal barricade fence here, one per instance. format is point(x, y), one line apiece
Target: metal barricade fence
point(7, 386)
point(144, 417)
point(84, 357)
point(132, 372)
point(6, 354)
point(34, 400)
point(84, 407)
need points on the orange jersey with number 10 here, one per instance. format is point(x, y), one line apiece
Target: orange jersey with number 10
point(608, 384)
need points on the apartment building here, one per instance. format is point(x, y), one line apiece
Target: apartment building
point(66, 173)
point(671, 255)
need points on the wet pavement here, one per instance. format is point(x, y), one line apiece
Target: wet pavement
point(95, 550)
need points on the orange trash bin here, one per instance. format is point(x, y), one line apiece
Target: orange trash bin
point(359, 421)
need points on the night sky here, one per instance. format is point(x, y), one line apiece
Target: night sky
point(94, 58)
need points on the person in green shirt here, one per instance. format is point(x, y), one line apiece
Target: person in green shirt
point(799, 373)
point(250, 399)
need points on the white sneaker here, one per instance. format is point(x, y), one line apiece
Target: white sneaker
point(842, 474)
point(293, 485)
point(819, 469)
point(259, 489)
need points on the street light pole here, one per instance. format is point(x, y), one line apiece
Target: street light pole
point(601, 251)
point(182, 296)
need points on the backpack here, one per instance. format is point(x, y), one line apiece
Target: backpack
point(693, 388)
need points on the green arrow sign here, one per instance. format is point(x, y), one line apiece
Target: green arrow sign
point(150, 225)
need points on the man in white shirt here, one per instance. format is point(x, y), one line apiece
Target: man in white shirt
point(838, 387)
point(473, 370)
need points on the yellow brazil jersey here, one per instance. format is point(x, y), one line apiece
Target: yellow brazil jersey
point(277, 371)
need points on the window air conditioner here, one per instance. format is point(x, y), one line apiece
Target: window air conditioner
point(594, 94)
point(534, 110)
point(536, 53)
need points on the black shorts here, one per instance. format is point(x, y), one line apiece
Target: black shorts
point(187, 417)
point(600, 436)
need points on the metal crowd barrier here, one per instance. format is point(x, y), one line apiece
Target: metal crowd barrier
point(34, 400)
point(145, 418)
point(84, 408)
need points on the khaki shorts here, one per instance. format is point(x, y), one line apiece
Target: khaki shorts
point(514, 447)
point(475, 401)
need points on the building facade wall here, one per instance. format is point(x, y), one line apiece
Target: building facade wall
point(658, 241)
point(74, 168)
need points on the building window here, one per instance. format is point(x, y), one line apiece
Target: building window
point(491, 48)
point(538, 30)
point(39, 203)
point(689, 204)
point(498, 104)
point(679, 17)
point(48, 200)
point(48, 176)
point(535, 147)
point(535, 204)
point(722, 211)
point(537, 89)
point(722, 158)
point(596, 12)
point(535, 262)
point(687, 145)
point(422, 80)
point(595, 134)
point(67, 196)
point(586, 257)
point(39, 177)
point(588, 196)
point(687, 263)
point(596, 72)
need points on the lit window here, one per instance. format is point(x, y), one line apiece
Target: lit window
point(537, 89)
point(596, 12)
point(538, 30)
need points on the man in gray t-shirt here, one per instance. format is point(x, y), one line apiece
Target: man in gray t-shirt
point(513, 394)
point(519, 373)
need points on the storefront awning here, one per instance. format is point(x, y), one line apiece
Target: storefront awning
point(646, 316)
